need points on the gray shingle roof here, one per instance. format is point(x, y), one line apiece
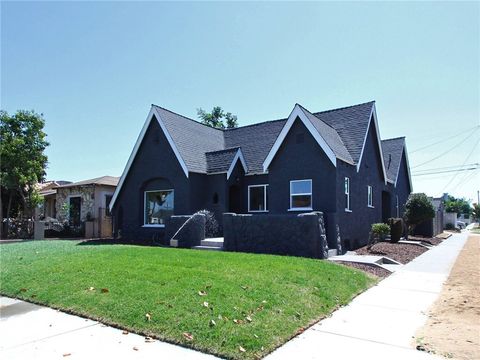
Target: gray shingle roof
point(220, 161)
point(205, 149)
point(330, 136)
point(255, 142)
point(392, 156)
point(351, 124)
point(103, 180)
point(192, 139)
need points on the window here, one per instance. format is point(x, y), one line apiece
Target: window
point(158, 207)
point(398, 212)
point(347, 194)
point(370, 196)
point(108, 198)
point(257, 198)
point(301, 195)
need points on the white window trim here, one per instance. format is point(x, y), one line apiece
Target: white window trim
point(370, 192)
point(301, 194)
point(347, 179)
point(145, 225)
point(264, 198)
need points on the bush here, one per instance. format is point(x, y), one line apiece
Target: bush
point(378, 233)
point(449, 226)
point(212, 229)
point(381, 230)
point(396, 229)
point(418, 209)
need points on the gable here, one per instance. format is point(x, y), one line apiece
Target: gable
point(372, 159)
point(153, 116)
point(298, 113)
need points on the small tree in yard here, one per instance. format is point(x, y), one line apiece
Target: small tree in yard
point(418, 209)
point(23, 162)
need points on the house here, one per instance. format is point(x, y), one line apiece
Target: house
point(331, 161)
point(49, 194)
point(86, 201)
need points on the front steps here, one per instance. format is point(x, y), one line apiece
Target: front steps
point(213, 244)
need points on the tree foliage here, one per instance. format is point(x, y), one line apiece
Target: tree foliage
point(476, 212)
point(23, 162)
point(418, 209)
point(216, 118)
point(459, 206)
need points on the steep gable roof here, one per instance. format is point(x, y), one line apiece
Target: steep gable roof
point(392, 156)
point(331, 137)
point(393, 150)
point(192, 139)
point(351, 123)
point(255, 141)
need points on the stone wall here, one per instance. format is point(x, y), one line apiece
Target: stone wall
point(87, 194)
point(295, 235)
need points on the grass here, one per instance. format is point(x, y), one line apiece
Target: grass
point(257, 302)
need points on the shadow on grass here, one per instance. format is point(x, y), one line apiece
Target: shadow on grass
point(111, 241)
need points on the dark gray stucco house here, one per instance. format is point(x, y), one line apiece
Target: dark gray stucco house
point(332, 161)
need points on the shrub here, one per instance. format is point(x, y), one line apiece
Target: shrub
point(449, 226)
point(378, 233)
point(396, 229)
point(212, 228)
point(418, 209)
point(381, 230)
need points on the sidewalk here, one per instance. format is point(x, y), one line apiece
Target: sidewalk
point(29, 331)
point(381, 323)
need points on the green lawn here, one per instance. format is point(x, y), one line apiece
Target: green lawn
point(256, 302)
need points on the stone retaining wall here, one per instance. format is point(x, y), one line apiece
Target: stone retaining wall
point(295, 235)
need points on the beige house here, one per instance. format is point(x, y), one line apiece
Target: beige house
point(82, 202)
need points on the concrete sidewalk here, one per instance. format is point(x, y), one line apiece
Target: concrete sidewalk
point(29, 331)
point(381, 323)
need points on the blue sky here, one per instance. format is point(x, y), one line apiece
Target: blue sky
point(94, 68)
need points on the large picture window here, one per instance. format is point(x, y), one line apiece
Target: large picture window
point(158, 207)
point(301, 195)
point(257, 198)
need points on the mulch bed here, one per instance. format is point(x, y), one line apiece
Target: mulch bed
point(403, 253)
point(371, 269)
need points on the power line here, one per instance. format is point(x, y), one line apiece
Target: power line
point(448, 171)
point(464, 162)
point(445, 152)
point(452, 167)
point(445, 139)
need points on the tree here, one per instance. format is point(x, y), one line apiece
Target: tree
point(215, 118)
point(23, 162)
point(476, 212)
point(418, 209)
point(459, 206)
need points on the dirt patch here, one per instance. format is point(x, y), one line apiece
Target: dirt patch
point(426, 240)
point(453, 326)
point(371, 269)
point(402, 253)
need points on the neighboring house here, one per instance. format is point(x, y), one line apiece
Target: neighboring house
point(49, 194)
point(86, 200)
point(330, 161)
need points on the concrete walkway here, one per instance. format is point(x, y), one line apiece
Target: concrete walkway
point(381, 323)
point(29, 331)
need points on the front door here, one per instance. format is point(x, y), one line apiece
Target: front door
point(75, 208)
